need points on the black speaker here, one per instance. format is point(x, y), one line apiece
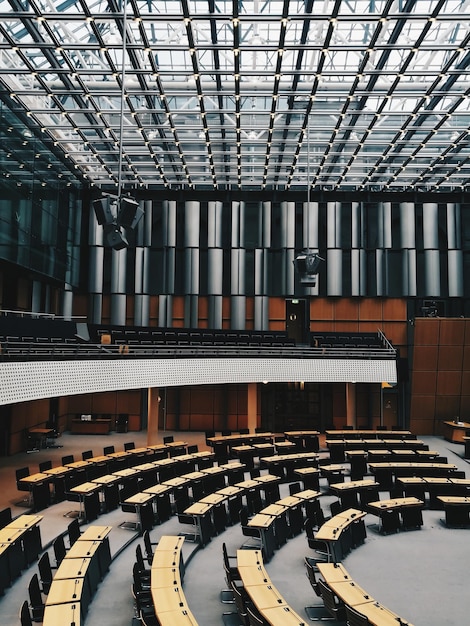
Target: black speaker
point(129, 213)
point(114, 237)
point(104, 211)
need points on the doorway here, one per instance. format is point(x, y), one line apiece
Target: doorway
point(298, 321)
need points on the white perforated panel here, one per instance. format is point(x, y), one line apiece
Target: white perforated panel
point(29, 381)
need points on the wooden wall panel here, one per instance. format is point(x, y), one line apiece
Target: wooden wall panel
point(370, 309)
point(277, 309)
point(396, 332)
point(466, 382)
point(448, 383)
point(465, 406)
point(423, 426)
point(450, 357)
point(423, 407)
point(425, 358)
point(426, 331)
point(394, 308)
point(424, 382)
point(321, 309)
point(447, 407)
point(346, 309)
point(451, 332)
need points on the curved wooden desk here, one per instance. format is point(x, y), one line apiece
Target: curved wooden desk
point(264, 595)
point(171, 607)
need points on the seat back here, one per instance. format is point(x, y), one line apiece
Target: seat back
point(129, 445)
point(253, 618)
point(25, 614)
point(35, 599)
point(68, 458)
point(45, 465)
point(58, 546)
point(354, 618)
point(108, 450)
point(73, 530)
point(311, 577)
point(168, 439)
point(329, 600)
point(87, 454)
point(5, 517)
point(20, 473)
point(45, 572)
point(193, 449)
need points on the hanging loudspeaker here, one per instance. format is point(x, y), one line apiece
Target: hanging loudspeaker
point(114, 238)
point(130, 213)
point(104, 211)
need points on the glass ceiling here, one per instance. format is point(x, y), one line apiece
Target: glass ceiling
point(340, 95)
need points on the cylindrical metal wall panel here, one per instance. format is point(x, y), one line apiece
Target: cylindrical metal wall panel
point(454, 230)
point(191, 271)
point(169, 261)
point(311, 227)
point(143, 232)
point(288, 268)
point(237, 312)
point(215, 312)
point(261, 314)
point(407, 225)
point(165, 310)
point(237, 281)
point(95, 269)
point(358, 272)
point(141, 310)
point(380, 272)
point(238, 224)
point(169, 223)
point(333, 225)
point(265, 225)
point(288, 225)
point(95, 231)
point(118, 309)
point(118, 270)
point(432, 273)
point(334, 260)
point(261, 272)
point(96, 308)
point(215, 269)
point(67, 302)
point(409, 273)
point(214, 224)
point(191, 311)
point(430, 226)
point(455, 273)
point(139, 270)
point(384, 225)
point(192, 221)
point(357, 229)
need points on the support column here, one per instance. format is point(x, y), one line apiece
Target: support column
point(351, 404)
point(252, 405)
point(153, 411)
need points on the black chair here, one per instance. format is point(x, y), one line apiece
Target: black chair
point(294, 488)
point(130, 445)
point(45, 572)
point(241, 602)
point(25, 614)
point(255, 473)
point(226, 433)
point(148, 545)
point(208, 434)
point(35, 599)
point(255, 541)
point(168, 439)
point(73, 530)
point(87, 454)
point(91, 504)
point(108, 450)
point(58, 547)
point(320, 547)
point(68, 458)
point(20, 473)
point(5, 517)
point(335, 608)
point(244, 431)
point(254, 618)
point(354, 618)
point(45, 465)
point(193, 449)
point(144, 571)
point(111, 497)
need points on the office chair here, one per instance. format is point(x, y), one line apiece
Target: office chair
point(333, 606)
point(87, 454)
point(58, 546)
point(168, 439)
point(35, 599)
point(108, 450)
point(130, 445)
point(354, 618)
point(68, 458)
point(45, 572)
point(254, 619)
point(45, 465)
point(73, 531)
point(25, 614)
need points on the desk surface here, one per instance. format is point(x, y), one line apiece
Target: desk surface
point(72, 568)
point(25, 521)
point(350, 593)
point(169, 542)
point(379, 615)
point(395, 503)
point(63, 614)
point(180, 617)
point(260, 520)
point(333, 572)
point(65, 590)
point(95, 533)
point(83, 549)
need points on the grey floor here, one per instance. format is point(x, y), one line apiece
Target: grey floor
point(422, 575)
